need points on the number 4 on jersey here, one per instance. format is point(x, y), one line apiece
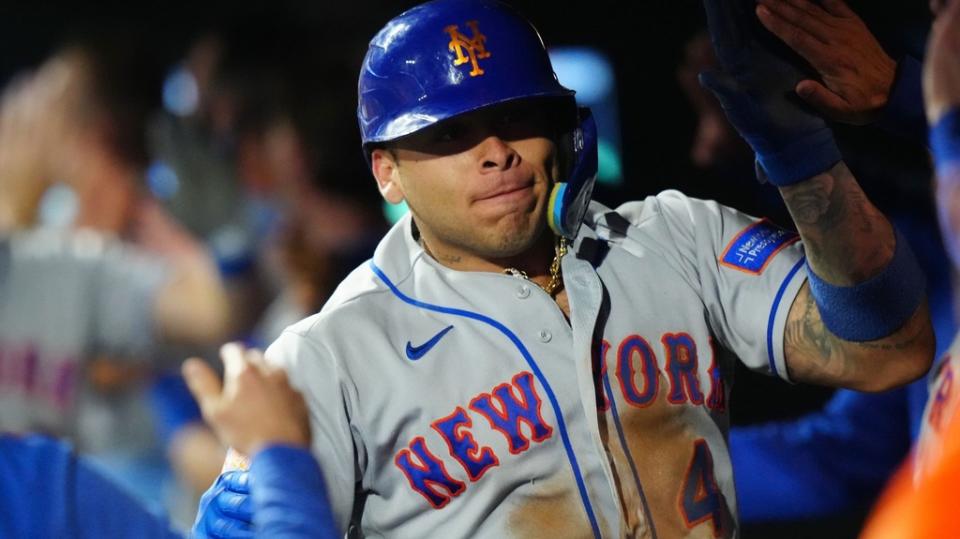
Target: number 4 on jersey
point(700, 498)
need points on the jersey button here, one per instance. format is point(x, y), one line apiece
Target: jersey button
point(523, 291)
point(545, 335)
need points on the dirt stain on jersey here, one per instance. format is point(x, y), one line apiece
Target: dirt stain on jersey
point(660, 438)
point(551, 509)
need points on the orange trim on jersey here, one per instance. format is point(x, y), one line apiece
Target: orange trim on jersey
point(459, 486)
point(651, 386)
point(505, 414)
point(690, 391)
point(702, 491)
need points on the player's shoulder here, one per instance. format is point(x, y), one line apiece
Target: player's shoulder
point(363, 299)
point(669, 207)
point(355, 299)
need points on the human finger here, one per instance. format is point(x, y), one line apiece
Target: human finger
point(203, 383)
point(821, 98)
point(255, 357)
point(234, 363)
point(791, 16)
point(805, 44)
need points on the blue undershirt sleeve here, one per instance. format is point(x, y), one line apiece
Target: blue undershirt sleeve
point(289, 495)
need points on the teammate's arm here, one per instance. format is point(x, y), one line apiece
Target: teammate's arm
point(191, 306)
point(847, 242)
point(257, 412)
point(834, 334)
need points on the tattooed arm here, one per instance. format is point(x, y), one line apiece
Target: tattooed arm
point(847, 241)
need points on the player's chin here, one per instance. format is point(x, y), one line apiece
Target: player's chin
point(516, 234)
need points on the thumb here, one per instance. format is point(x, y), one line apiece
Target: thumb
point(824, 100)
point(203, 382)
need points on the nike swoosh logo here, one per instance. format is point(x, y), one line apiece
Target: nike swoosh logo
point(416, 352)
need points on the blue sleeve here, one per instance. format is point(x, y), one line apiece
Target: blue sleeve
point(904, 115)
point(173, 406)
point(46, 491)
point(824, 462)
point(41, 467)
point(289, 496)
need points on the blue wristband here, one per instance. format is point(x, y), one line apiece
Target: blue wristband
point(801, 160)
point(877, 307)
point(945, 140)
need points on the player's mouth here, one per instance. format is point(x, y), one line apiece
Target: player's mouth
point(508, 195)
point(507, 192)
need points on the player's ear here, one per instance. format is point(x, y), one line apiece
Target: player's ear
point(385, 170)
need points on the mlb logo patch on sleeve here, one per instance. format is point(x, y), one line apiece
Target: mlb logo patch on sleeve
point(755, 246)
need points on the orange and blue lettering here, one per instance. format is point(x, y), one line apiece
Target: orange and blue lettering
point(428, 475)
point(512, 411)
point(700, 497)
point(637, 346)
point(455, 430)
point(682, 368)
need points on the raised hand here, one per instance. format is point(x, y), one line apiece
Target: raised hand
point(754, 86)
point(254, 407)
point(856, 74)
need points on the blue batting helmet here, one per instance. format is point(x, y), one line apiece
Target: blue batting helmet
point(449, 57)
point(445, 58)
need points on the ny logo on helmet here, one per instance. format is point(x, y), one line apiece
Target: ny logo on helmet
point(474, 46)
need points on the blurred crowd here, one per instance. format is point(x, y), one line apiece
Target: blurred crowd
point(152, 212)
point(152, 209)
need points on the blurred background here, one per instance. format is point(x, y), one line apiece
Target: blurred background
point(220, 141)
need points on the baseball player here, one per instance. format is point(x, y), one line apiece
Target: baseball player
point(68, 296)
point(517, 361)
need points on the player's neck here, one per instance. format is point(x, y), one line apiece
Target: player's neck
point(534, 262)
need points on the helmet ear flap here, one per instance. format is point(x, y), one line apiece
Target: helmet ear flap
point(569, 199)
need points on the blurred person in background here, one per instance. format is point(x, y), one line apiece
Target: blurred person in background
point(85, 306)
point(283, 105)
point(289, 94)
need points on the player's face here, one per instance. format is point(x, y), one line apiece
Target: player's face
point(479, 184)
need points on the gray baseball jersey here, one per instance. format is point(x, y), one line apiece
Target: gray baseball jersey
point(63, 297)
point(465, 404)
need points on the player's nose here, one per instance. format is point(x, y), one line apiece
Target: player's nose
point(496, 154)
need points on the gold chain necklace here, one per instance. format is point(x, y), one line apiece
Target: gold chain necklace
point(556, 277)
